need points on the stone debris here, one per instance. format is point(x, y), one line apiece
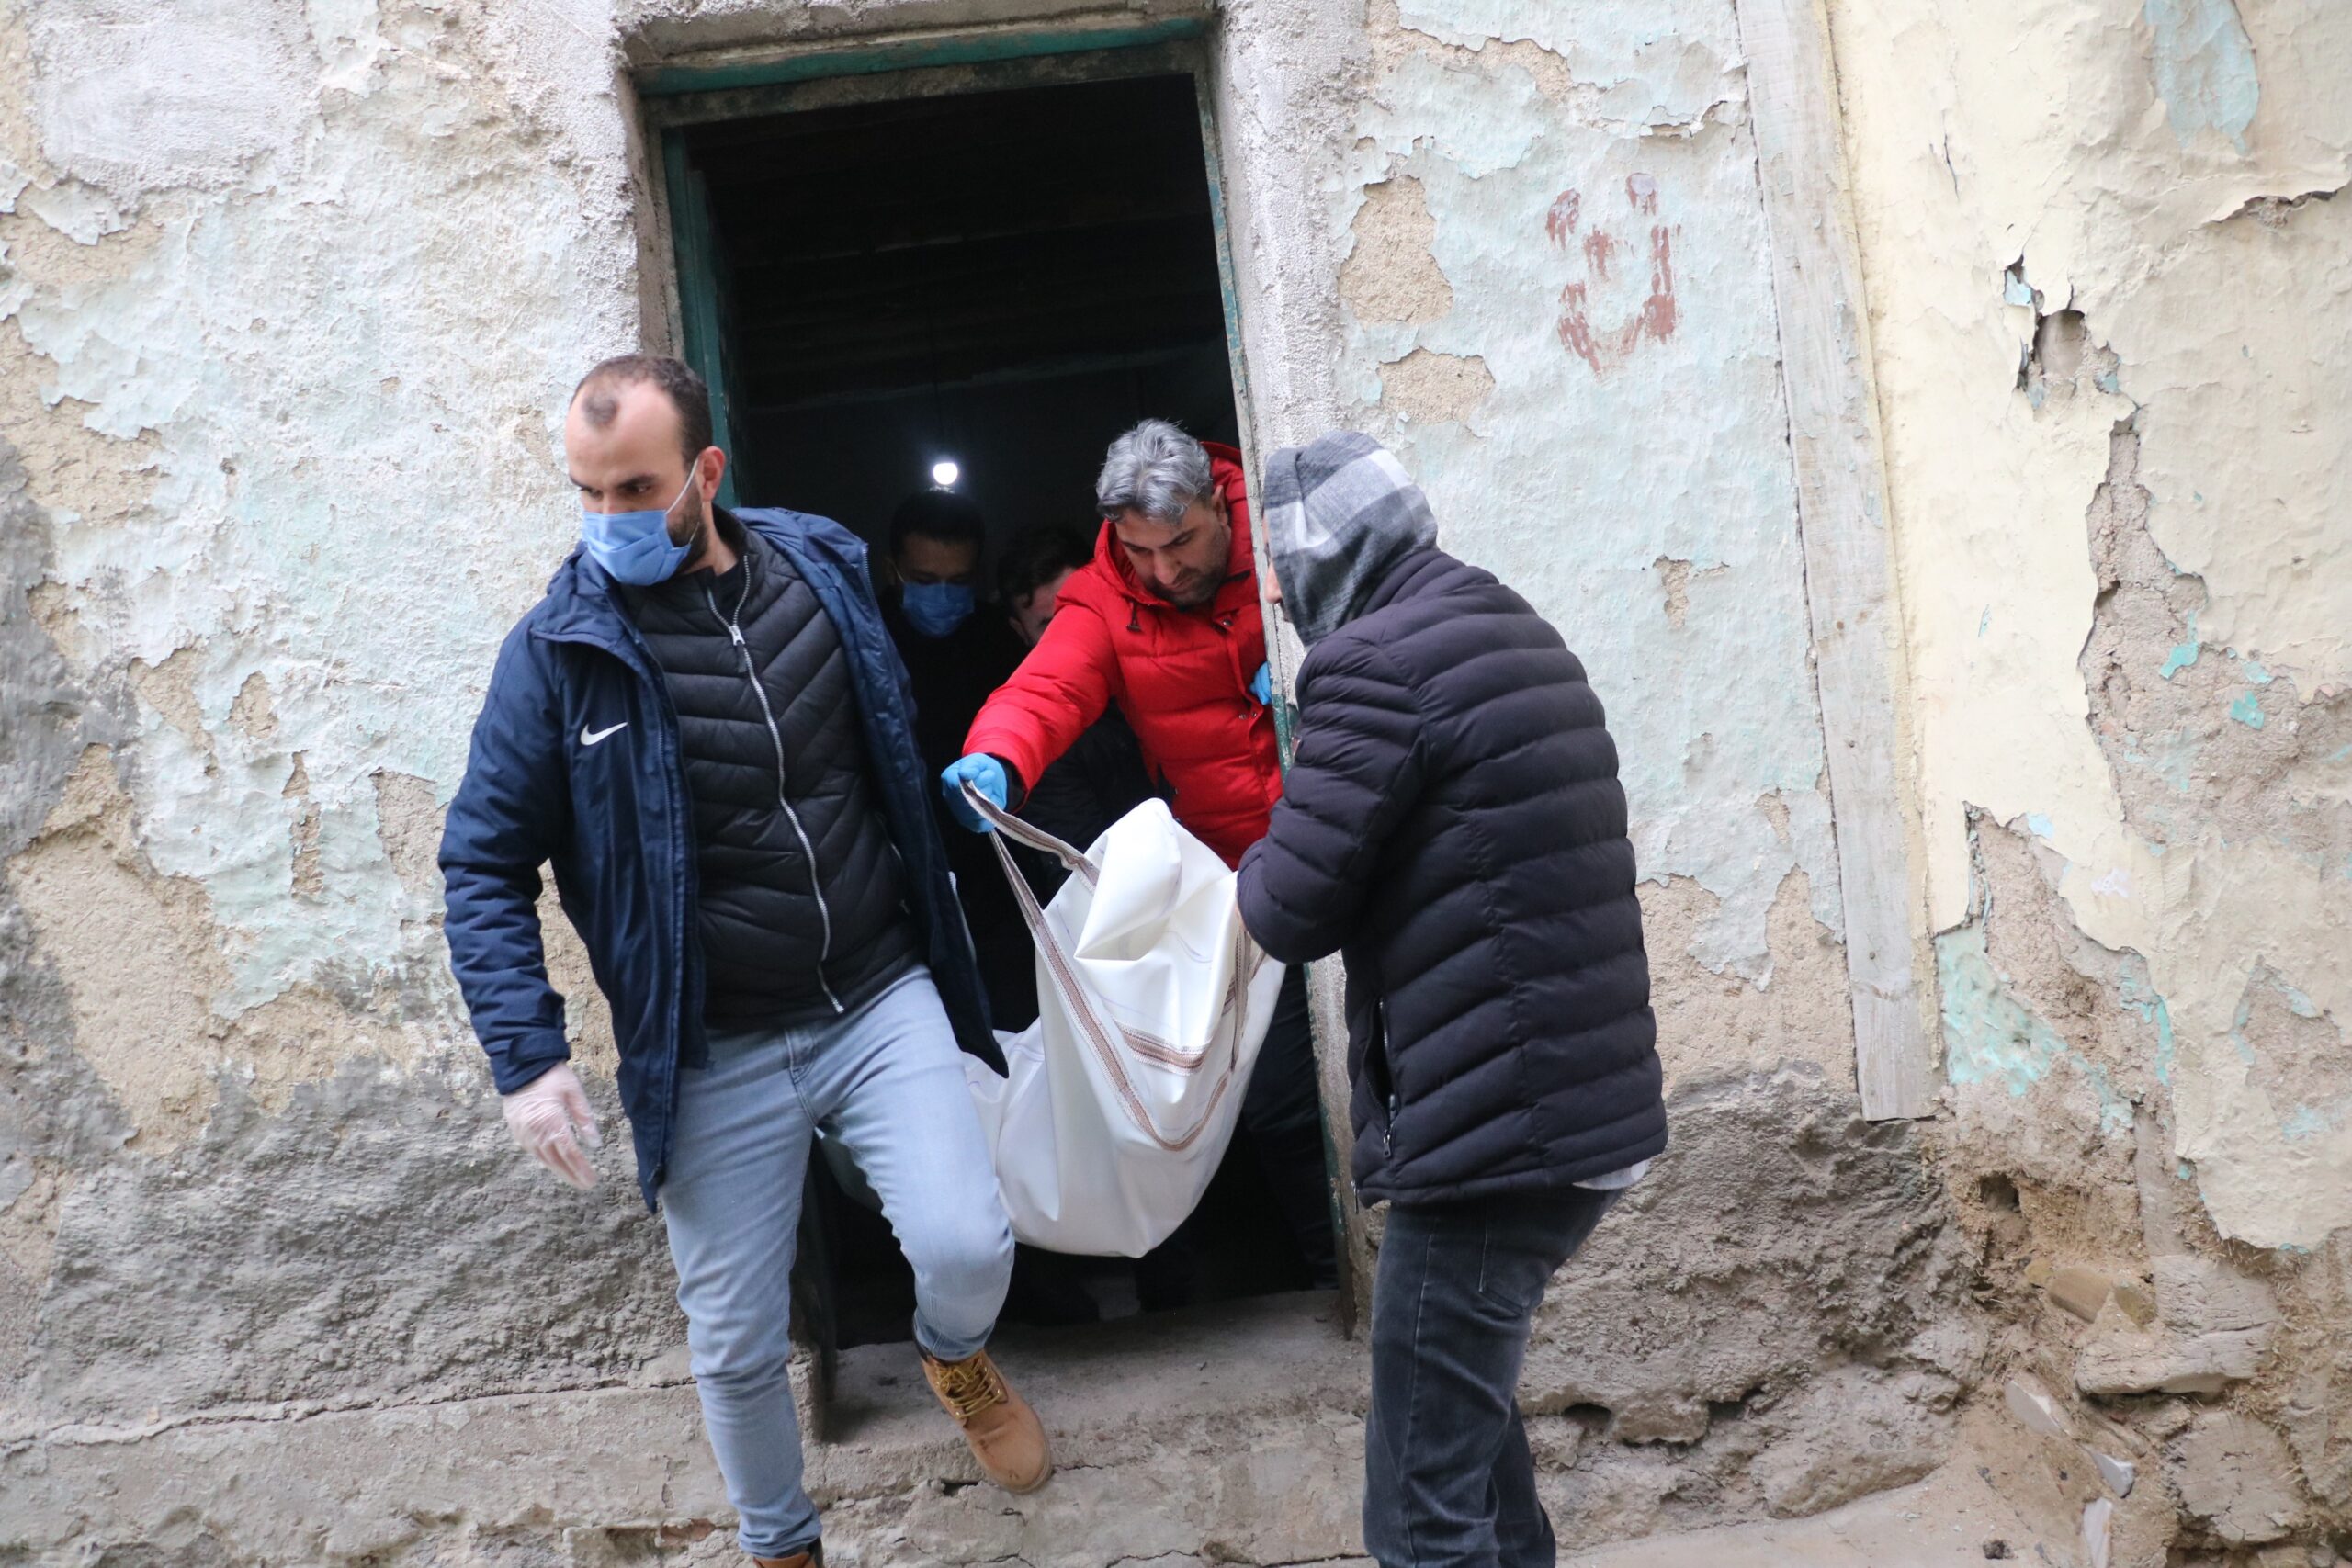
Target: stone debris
point(2213, 1328)
point(2139, 1302)
point(2098, 1522)
point(1659, 1419)
point(2118, 1474)
point(2079, 1289)
point(2034, 1409)
point(2235, 1473)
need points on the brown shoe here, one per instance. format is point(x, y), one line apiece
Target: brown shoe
point(1002, 1430)
point(812, 1558)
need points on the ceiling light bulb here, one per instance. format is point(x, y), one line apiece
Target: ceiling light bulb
point(944, 472)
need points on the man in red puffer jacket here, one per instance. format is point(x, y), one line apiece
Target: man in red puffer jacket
point(1165, 622)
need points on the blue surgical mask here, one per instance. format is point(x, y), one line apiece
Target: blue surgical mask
point(935, 609)
point(634, 546)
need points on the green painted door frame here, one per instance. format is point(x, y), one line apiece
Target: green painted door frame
point(703, 294)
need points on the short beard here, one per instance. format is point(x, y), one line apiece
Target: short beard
point(1207, 593)
point(1213, 580)
point(697, 539)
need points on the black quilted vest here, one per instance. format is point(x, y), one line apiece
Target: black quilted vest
point(802, 912)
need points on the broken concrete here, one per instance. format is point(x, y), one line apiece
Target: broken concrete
point(373, 1242)
point(2080, 1290)
point(1851, 1432)
point(2234, 1473)
point(2212, 1329)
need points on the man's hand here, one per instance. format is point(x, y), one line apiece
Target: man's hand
point(1261, 685)
point(984, 774)
point(550, 1117)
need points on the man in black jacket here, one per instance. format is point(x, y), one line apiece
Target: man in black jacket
point(1453, 823)
point(957, 653)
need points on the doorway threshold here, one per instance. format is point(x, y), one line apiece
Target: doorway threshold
point(1108, 1391)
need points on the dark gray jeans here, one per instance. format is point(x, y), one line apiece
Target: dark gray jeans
point(1448, 1479)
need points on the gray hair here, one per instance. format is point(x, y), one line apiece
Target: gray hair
point(1156, 469)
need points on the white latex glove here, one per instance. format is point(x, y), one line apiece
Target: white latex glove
point(550, 1117)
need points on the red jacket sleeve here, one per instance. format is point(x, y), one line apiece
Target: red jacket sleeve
point(1062, 687)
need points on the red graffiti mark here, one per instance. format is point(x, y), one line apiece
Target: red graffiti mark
point(1658, 311)
point(1652, 319)
point(1599, 247)
point(1561, 222)
point(1576, 327)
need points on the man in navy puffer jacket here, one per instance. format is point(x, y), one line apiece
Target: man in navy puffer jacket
point(704, 728)
point(1453, 823)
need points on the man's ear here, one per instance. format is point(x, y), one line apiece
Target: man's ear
point(1219, 504)
point(710, 467)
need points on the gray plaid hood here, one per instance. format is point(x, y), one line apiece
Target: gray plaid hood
point(1340, 512)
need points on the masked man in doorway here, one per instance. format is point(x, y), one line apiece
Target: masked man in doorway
point(702, 725)
point(1453, 823)
point(957, 653)
point(1164, 622)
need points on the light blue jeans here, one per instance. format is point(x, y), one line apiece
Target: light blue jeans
point(888, 1083)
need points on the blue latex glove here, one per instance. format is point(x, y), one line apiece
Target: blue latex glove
point(1261, 685)
point(987, 775)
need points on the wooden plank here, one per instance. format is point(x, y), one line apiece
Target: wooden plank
point(1850, 575)
point(1326, 980)
point(766, 68)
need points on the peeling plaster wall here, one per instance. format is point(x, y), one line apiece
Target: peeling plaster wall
point(2079, 212)
point(1567, 211)
point(290, 297)
point(2110, 276)
point(1540, 249)
point(1536, 240)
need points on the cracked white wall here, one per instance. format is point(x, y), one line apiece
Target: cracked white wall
point(2144, 168)
point(338, 269)
point(1560, 313)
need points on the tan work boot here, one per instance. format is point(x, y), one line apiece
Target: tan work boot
point(812, 1558)
point(1002, 1430)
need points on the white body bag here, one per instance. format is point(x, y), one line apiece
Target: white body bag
point(1118, 1103)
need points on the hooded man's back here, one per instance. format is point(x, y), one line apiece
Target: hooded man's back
point(1452, 821)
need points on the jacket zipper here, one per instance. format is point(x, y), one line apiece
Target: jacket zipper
point(783, 798)
point(1388, 1071)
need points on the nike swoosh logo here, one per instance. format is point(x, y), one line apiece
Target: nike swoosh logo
point(590, 737)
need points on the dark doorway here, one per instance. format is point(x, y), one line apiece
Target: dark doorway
point(1006, 281)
